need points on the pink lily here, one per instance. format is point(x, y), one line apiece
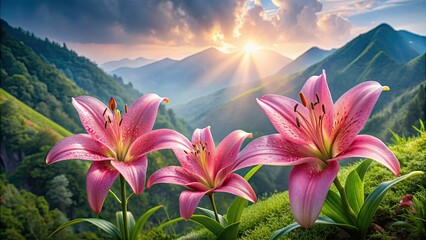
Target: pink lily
point(116, 143)
point(206, 169)
point(313, 136)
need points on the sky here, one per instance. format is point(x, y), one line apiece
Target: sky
point(105, 30)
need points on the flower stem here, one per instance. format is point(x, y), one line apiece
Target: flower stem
point(214, 207)
point(344, 198)
point(115, 196)
point(124, 207)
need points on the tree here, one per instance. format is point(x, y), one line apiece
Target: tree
point(58, 194)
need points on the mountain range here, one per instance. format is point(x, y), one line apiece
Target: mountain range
point(194, 110)
point(125, 62)
point(202, 73)
point(382, 54)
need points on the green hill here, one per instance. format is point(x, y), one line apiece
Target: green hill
point(32, 117)
point(260, 220)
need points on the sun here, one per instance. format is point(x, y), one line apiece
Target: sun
point(250, 48)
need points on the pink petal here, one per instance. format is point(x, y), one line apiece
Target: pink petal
point(189, 162)
point(175, 175)
point(351, 112)
point(367, 146)
point(205, 137)
point(280, 111)
point(157, 140)
point(317, 85)
point(188, 201)
point(91, 112)
point(237, 185)
point(134, 172)
point(308, 187)
point(272, 150)
point(228, 149)
point(99, 179)
point(79, 146)
point(141, 116)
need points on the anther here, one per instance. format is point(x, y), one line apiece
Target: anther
point(193, 145)
point(323, 108)
point(112, 104)
point(302, 98)
point(295, 107)
point(316, 95)
point(109, 119)
point(125, 108)
point(106, 124)
point(103, 114)
point(121, 120)
point(297, 122)
point(185, 152)
point(312, 105)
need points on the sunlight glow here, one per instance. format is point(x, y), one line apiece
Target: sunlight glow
point(250, 48)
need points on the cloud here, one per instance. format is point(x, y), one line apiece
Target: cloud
point(178, 22)
point(294, 21)
point(126, 22)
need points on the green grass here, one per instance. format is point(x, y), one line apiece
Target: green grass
point(31, 116)
point(260, 220)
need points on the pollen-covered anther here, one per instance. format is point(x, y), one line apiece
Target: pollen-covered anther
point(303, 99)
point(386, 88)
point(112, 104)
point(297, 122)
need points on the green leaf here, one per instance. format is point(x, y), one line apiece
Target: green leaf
point(141, 222)
point(320, 220)
point(210, 214)
point(236, 208)
point(284, 231)
point(328, 221)
point(363, 167)
point(373, 200)
point(175, 220)
point(208, 223)
point(120, 222)
point(354, 188)
point(333, 208)
point(104, 225)
point(230, 232)
point(252, 172)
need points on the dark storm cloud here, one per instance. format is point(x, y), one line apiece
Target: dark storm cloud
point(129, 21)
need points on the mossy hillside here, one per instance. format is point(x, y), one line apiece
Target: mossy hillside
point(260, 220)
point(31, 116)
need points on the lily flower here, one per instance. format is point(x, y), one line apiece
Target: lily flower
point(205, 169)
point(314, 134)
point(116, 142)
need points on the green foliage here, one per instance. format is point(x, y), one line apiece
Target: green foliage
point(58, 194)
point(27, 216)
